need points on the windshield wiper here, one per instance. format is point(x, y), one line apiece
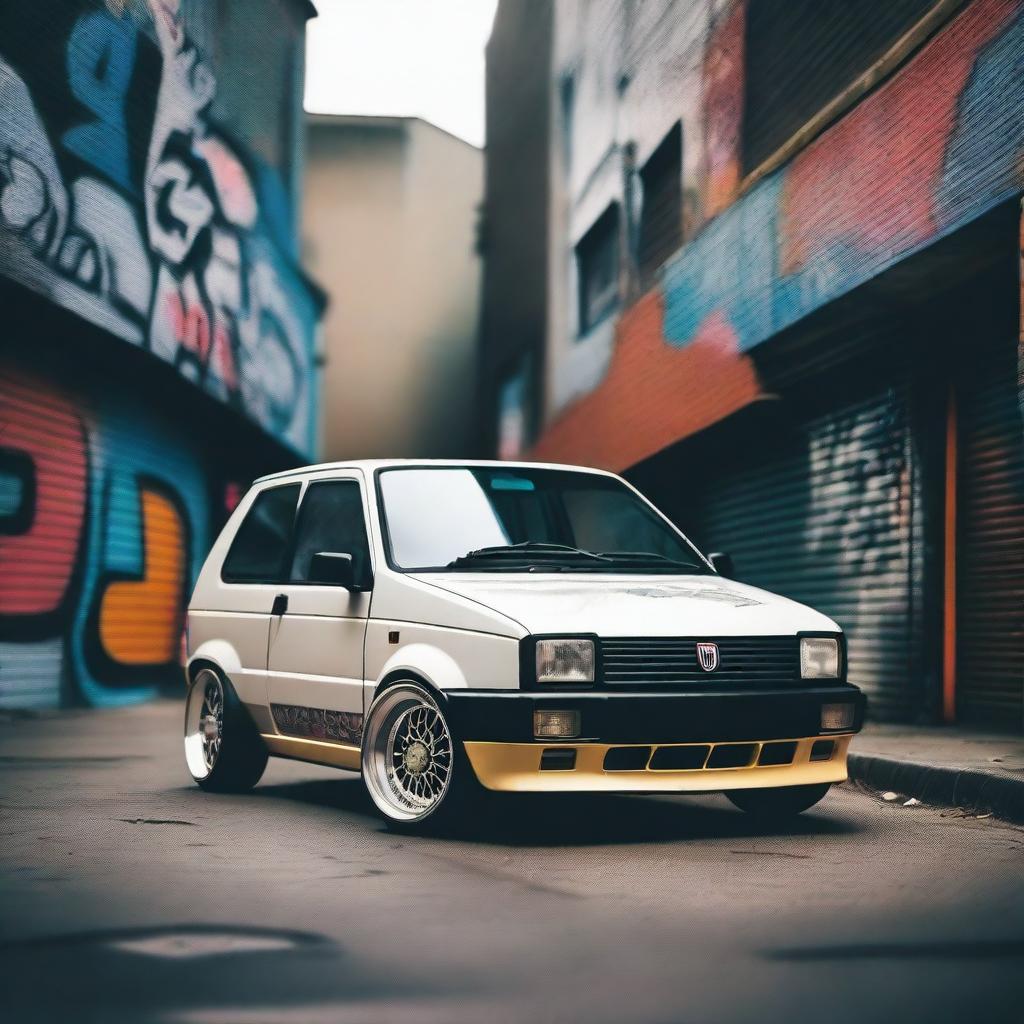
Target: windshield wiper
point(649, 559)
point(534, 556)
point(520, 556)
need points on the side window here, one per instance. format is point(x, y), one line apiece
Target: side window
point(258, 551)
point(331, 519)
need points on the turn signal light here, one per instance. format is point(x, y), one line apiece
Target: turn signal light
point(556, 725)
point(836, 716)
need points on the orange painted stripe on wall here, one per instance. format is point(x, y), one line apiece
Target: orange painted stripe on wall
point(140, 620)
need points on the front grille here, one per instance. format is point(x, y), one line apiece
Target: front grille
point(672, 662)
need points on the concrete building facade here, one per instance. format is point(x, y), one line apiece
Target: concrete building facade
point(158, 341)
point(390, 220)
point(782, 291)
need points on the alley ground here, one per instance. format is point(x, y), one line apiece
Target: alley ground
point(127, 894)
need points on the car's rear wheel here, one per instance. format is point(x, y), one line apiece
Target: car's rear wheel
point(412, 766)
point(223, 750)
point(783, 802)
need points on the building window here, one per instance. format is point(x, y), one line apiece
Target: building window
point(597, 263)
point(661, 216)
point(801, 54)
point(567, 102)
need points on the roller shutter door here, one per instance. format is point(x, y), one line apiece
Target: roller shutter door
point(826, 515)
point(104, 517)
point(990, 543)
point(43, 488)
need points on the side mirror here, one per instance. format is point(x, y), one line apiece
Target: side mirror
point(333, 568)
point(722, 564)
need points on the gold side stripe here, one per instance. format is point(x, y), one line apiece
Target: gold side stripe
point(335, 755)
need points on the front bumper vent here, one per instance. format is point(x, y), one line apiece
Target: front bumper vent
point(558, 759)
point(669, 759)
point(777, 753)
point(686, 757)
point(627, 759)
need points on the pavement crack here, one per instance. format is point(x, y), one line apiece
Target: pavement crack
point(155, 821)
point(774, 853)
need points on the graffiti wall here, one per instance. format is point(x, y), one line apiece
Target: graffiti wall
point(122, 199)
point(937, 145)
point(106, 514)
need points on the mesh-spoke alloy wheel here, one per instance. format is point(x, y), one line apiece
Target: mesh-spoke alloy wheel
point(408, 754)
point(204, 723)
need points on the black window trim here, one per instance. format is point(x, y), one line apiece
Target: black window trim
point(648, 270)
point(234, 582)
point(585, 326)
point(357, 479)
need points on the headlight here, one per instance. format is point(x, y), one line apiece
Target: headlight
point(819, 657)
point(565, 661)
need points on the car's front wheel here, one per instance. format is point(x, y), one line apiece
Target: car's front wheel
point(223, 750)
point(412, 766)
point(783, 802)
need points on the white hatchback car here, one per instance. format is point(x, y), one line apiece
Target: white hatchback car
point(442, 626)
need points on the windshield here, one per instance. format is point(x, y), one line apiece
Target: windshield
point(471, 519)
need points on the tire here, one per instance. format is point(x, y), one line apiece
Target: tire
point(784, 802)
point(414, 768)
point(223, 750)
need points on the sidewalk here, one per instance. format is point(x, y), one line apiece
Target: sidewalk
point(978, 771)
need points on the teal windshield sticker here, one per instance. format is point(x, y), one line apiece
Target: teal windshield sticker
point(511, 483)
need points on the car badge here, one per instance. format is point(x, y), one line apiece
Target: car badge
point(707, 656)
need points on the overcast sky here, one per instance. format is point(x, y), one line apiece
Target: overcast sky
point(419, 57)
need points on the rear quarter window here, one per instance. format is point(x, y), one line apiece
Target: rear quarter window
point(258, 552)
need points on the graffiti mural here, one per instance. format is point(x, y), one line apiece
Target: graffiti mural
point(141, 214)
point(105, 518)
point(723, 105)
point(936, 146)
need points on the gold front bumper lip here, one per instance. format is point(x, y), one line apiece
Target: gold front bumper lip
point(515, 767)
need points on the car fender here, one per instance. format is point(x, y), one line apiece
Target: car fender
point(220, 653)
point(433, 665)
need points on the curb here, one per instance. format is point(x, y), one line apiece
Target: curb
point(941, 784)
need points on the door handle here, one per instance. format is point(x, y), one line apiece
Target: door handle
point(280, 605)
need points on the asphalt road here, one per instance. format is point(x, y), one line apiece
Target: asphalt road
point(127, 894)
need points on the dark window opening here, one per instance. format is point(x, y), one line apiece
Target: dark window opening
point(801, 54)
point(258, 551)
point(567, 99)
point(597, 262)
point(661, 217)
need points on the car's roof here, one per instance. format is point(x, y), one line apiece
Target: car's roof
point(369, 465)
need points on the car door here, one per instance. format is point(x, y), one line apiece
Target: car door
point(244, 594)
point(317, 631)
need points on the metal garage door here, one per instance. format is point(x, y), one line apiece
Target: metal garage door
point(990, 543)
point(43, 501)
point(826, 514)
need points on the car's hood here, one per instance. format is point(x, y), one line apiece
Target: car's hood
point(635, 605)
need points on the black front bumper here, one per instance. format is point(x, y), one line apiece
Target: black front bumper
point(506, 716)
